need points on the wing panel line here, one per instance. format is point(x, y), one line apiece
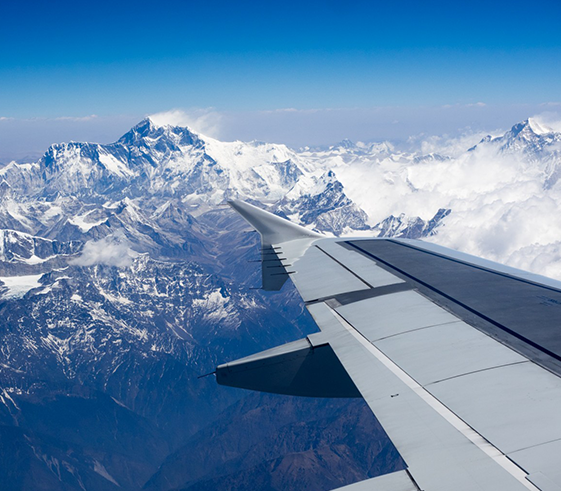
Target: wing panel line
point(473, 436)
point(413, 330)
point(461, 304)
point(477, 371)
point(345, 267)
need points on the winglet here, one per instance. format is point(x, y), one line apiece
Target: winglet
point(272, 228)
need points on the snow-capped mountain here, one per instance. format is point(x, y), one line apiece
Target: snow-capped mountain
point(82, 185)
point(123, 278)
point(530, 137)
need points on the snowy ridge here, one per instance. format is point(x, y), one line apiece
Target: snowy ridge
point(80, 191)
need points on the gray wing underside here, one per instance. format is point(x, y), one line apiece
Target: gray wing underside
point(458, 358)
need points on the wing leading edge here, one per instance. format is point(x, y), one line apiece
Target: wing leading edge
point(458, 358)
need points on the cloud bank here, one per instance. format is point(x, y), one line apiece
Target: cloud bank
point(112, 250)
point(505, 200)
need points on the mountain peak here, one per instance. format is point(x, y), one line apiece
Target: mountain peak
point(145, 126)
point(346, 144)
point(530, 126)
point(147, 129)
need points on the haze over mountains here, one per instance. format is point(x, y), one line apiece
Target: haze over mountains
point(124, 278)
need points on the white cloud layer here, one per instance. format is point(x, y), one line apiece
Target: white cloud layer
point(505, 203)
point(112, 250)
point(449, 145)
point(76, 119)
point(550, 119)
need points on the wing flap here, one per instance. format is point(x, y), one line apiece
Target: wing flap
point(441, 451)
point(507, 404)
point(318, 276)
point(301, 368)
point(388, 315)
point(445, 351)
point(396, 481)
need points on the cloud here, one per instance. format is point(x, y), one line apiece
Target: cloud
point(294, 110)
point(451, 146)
point(458, 105)
point(504, 203)
point(501, 209)
point(112, 250)
point(542, 258)
point(76, 118)
point(550, 119)
point(205, 121)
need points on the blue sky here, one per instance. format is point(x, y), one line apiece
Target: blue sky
point(121, 61)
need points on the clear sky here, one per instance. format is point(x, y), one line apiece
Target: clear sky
point(63, 62)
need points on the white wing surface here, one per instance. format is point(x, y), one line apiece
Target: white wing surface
point(459, 358)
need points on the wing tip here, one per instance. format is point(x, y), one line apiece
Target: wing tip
point(273, 228)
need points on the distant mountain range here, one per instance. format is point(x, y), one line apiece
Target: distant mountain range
point(124, 277)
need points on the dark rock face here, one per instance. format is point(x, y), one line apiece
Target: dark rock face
point(327, 207)
point(410, 228)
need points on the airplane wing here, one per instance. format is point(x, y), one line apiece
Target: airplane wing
point(459, 358)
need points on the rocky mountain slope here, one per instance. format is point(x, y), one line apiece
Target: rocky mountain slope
point(123, 277)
